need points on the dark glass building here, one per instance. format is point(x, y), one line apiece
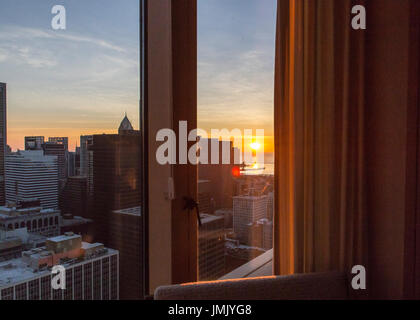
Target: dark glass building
point(59, 150)
point(3, 140)
point(125, 235)
point(74, 199)
point(114, 168)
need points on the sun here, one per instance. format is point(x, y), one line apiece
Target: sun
point(255, 146)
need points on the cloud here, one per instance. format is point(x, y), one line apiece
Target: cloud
point(32, 56)
point(36, 58)
point(15, 32)
point(236, 78)
point(30, 46)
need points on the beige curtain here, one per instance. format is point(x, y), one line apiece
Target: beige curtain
point(320, 219)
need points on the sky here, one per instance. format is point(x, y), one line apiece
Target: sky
point(236, 48)
point(83, 79)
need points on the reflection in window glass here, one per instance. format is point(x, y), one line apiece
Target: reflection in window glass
point(70, 149)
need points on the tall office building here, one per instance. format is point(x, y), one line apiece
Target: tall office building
point(125, 235)
point(260, 234)
point(211, 246)
point(3, 140)
point(246, 211)
point(74, 197)
point(205, 200)
point(34, 142)
point(60, 140)
point(267, 234)
point(91, 271)
point(270, 206)
point(115, 164)
point(58, 149)
point(77, 162)
point(31, 174)
point(85, 142)
point(221, 187)
point(71, 164)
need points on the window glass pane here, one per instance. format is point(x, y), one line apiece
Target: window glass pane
point(70, 182)
point(236, 46)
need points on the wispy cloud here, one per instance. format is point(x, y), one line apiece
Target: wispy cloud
point(16, 32)
point(237, 82)
point(27, 55)
point(82, 84)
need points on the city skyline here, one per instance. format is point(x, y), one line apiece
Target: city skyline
point(81, 80)
point(70, 82)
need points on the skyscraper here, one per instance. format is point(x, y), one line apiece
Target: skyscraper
point(125, 235)
point(115, 175)
point(71, 164)
point(34, 142)
point(221, 183)
point(247, 210)
point(60, 140)
point(74, 197)
point(211, 246)
point(77, 162)
point(31, 174)
point(3, 139)
point(58, 149)
point(85, 142)
point(116, 198)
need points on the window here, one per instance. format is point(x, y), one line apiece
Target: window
point(72, 165)
point(236, 47)
point(81, 124)
point(200, 253)
point(45, 288)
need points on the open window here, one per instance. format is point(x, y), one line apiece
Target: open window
point(236, 48)
point(335, 177)
point(226, 167)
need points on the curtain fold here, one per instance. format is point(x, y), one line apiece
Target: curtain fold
point(320, 219)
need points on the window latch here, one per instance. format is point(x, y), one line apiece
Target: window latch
point(191, 204)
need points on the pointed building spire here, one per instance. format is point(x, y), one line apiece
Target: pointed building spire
point(125, 125)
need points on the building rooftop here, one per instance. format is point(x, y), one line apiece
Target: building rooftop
point(20, 269)
point(87, 245)
point(34, 155)
point(64, 237)
point(22, 234)
point(14, 271)
point(205, 218)
point(10, 212)
point(75, 221)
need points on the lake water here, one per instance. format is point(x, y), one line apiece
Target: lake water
point(258, 169)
